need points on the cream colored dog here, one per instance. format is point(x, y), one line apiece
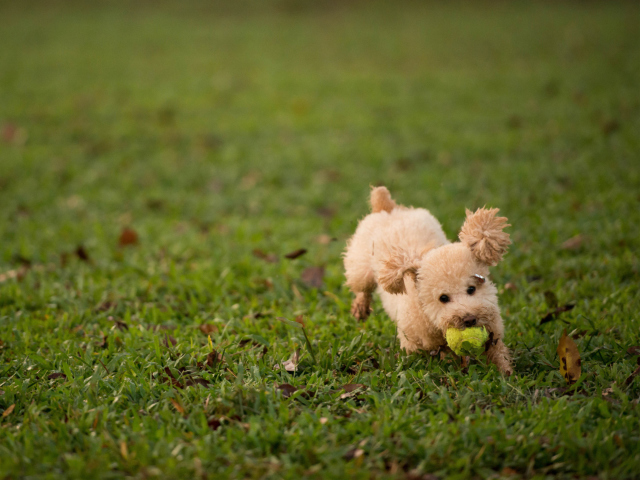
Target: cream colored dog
point(428, 284)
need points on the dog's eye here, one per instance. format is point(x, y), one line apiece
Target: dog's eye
point(444, 298)
point(471, 290)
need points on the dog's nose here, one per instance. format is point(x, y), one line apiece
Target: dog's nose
point(469, 321)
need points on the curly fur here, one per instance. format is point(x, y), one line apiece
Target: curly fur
point(404, 253)
point(482, 232)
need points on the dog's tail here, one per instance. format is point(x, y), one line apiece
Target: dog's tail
point(381, 200)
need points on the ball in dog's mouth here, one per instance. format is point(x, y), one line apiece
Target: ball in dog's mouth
point(467, 342)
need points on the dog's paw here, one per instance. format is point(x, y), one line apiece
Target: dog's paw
point(361, 306)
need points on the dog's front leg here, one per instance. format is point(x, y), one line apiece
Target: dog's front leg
point(499, 354)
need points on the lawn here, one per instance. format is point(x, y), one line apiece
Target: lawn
point(159, 160)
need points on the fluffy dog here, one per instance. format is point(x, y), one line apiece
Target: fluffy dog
point(428, 284)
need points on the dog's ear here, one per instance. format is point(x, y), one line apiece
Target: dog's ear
point(397, 264)
point(482, 233)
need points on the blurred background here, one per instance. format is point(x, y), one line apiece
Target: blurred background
point(218, 126)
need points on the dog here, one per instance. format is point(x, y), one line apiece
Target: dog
point(426, 283)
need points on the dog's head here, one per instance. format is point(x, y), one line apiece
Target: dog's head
point(452, 281)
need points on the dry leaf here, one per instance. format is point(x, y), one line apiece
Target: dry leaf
point(208, 328)
point(123, 450)
point(214, 423)
point(120, 325)
point(287, 389)
point(8, 411)
point(291, 365)
point(633, 375)
point(267, 257)
point(351, 390)
point(167, 339)
point(296, 253)
point(633, 350)
point(82, 254)
point(511, 286)
point(573, 243)
point(56, 375)
point(128, 237)
point(313, 276)
point(177, 406)
point(569, 359)
point(214, 359)
point(553, 314)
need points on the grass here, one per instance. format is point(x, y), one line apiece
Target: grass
point(215, 130)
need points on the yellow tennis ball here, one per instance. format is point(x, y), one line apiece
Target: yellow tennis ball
point(469, 341)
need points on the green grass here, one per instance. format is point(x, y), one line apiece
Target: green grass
point(215, 130)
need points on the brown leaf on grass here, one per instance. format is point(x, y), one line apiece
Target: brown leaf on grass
point(553, 314)
point(325, 239)
point(214, 423)
point(287, 389)
point(208, 328)
point(262, 255)
point(573, 243)
point(214, 359)
point(633, 350)
point(509, 472)
point(56, 375)
point(8, 411)
point(313, 277)
point(296, 253)
point(168, 338)
point(177, 406)
point(120, 325)
point(128, 236)
point(291, 365)
point(353, 453)
point(569, 359)
point(351, 389)
point(633, 375)
point(300, 319)
point(82, 254)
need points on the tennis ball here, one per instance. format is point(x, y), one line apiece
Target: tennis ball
point(469, 341)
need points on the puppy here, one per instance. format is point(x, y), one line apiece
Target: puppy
point(426, 283)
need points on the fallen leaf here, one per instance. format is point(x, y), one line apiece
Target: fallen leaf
point(291, 365)
point(123, 450)
point(633, 350)
point(128, 236)
point(296, 253)
point(56, 375)
point(351, 390)
point(551, 299)
point(82, 254)
point(573, 243)
point(214, 359)
point(168, 338)
point(208, 328)
point(313, 276)
point(214, 424)
point(569, 359)
point(325, 239)
point(120, 325)
point(177, 406)
point(552, 315)
point(633, 375)
point(8, 411)
point(287, 389)
point(262, 255)
point(353, 453)
point(508, 472)
point(300, 319)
